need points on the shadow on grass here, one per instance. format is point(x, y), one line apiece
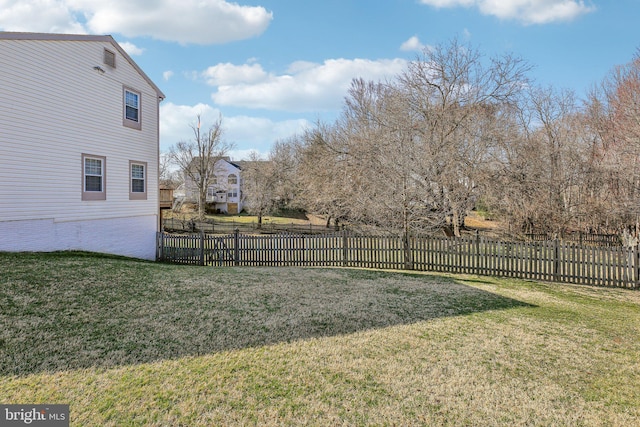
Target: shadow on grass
point(62, 311)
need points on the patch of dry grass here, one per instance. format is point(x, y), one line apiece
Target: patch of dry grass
point(135, 343)
point(249, 219)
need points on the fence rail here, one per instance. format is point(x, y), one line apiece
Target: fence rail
point(226, 227)
point(554, 261)
point(583, 239)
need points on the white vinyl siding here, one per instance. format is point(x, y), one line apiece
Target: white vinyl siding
point(41, 131)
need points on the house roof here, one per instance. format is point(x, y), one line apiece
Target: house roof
point(85, 38)
point(244, 164)
point(236, 164)
point(225, 159)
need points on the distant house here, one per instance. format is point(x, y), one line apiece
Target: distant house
point(78, 146)
point(224, 193)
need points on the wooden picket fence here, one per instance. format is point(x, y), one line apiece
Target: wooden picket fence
point(553, 261)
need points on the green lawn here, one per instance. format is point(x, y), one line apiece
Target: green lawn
point(130, 343)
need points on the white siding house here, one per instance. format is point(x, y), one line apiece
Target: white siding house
point(224, 192)
point(78, 146)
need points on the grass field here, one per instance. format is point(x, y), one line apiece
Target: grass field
point(295, 218)
point(130, 343)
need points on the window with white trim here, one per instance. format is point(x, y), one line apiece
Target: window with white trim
point(233, 179)
point(94, 177)
point(132, 111)
point(138, 180)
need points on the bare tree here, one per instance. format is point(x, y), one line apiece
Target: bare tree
point(416, 153)
point(415, 147)
point(456, 95)
point(613, 117)
point(319, 174)
point(271, 184)
point(169, 176)
point(386, 185)
point(553, 158)
point(196, 158)
point(259, 183)
point(284, 159)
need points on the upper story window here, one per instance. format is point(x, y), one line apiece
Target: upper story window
point(132, 106)
point(138, 190)
point(94, 177)
point(132, 110)
point(233, 179)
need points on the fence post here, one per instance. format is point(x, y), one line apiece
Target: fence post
point(476, 260)
point(635, 280)
point(201, 247)
point(345, 248)
point(408, 256)
point(556, 260)
point(159, 242)
point(236, 246)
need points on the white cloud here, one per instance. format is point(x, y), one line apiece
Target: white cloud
point(167, 75)
point(131, 48)
point(412, 44)
point(39, 16)
point(229, 74)
point(259, 132)
point(247, 133)
point(301, 66)
point(525, 11)
point(175, 121)
point(183, 21)
point(305, 87)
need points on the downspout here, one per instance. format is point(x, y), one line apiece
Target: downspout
point(159, 217)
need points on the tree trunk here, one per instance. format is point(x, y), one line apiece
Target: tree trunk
point(456, 223)
point(202, 201)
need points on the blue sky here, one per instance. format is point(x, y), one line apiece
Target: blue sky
point(273, 67)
